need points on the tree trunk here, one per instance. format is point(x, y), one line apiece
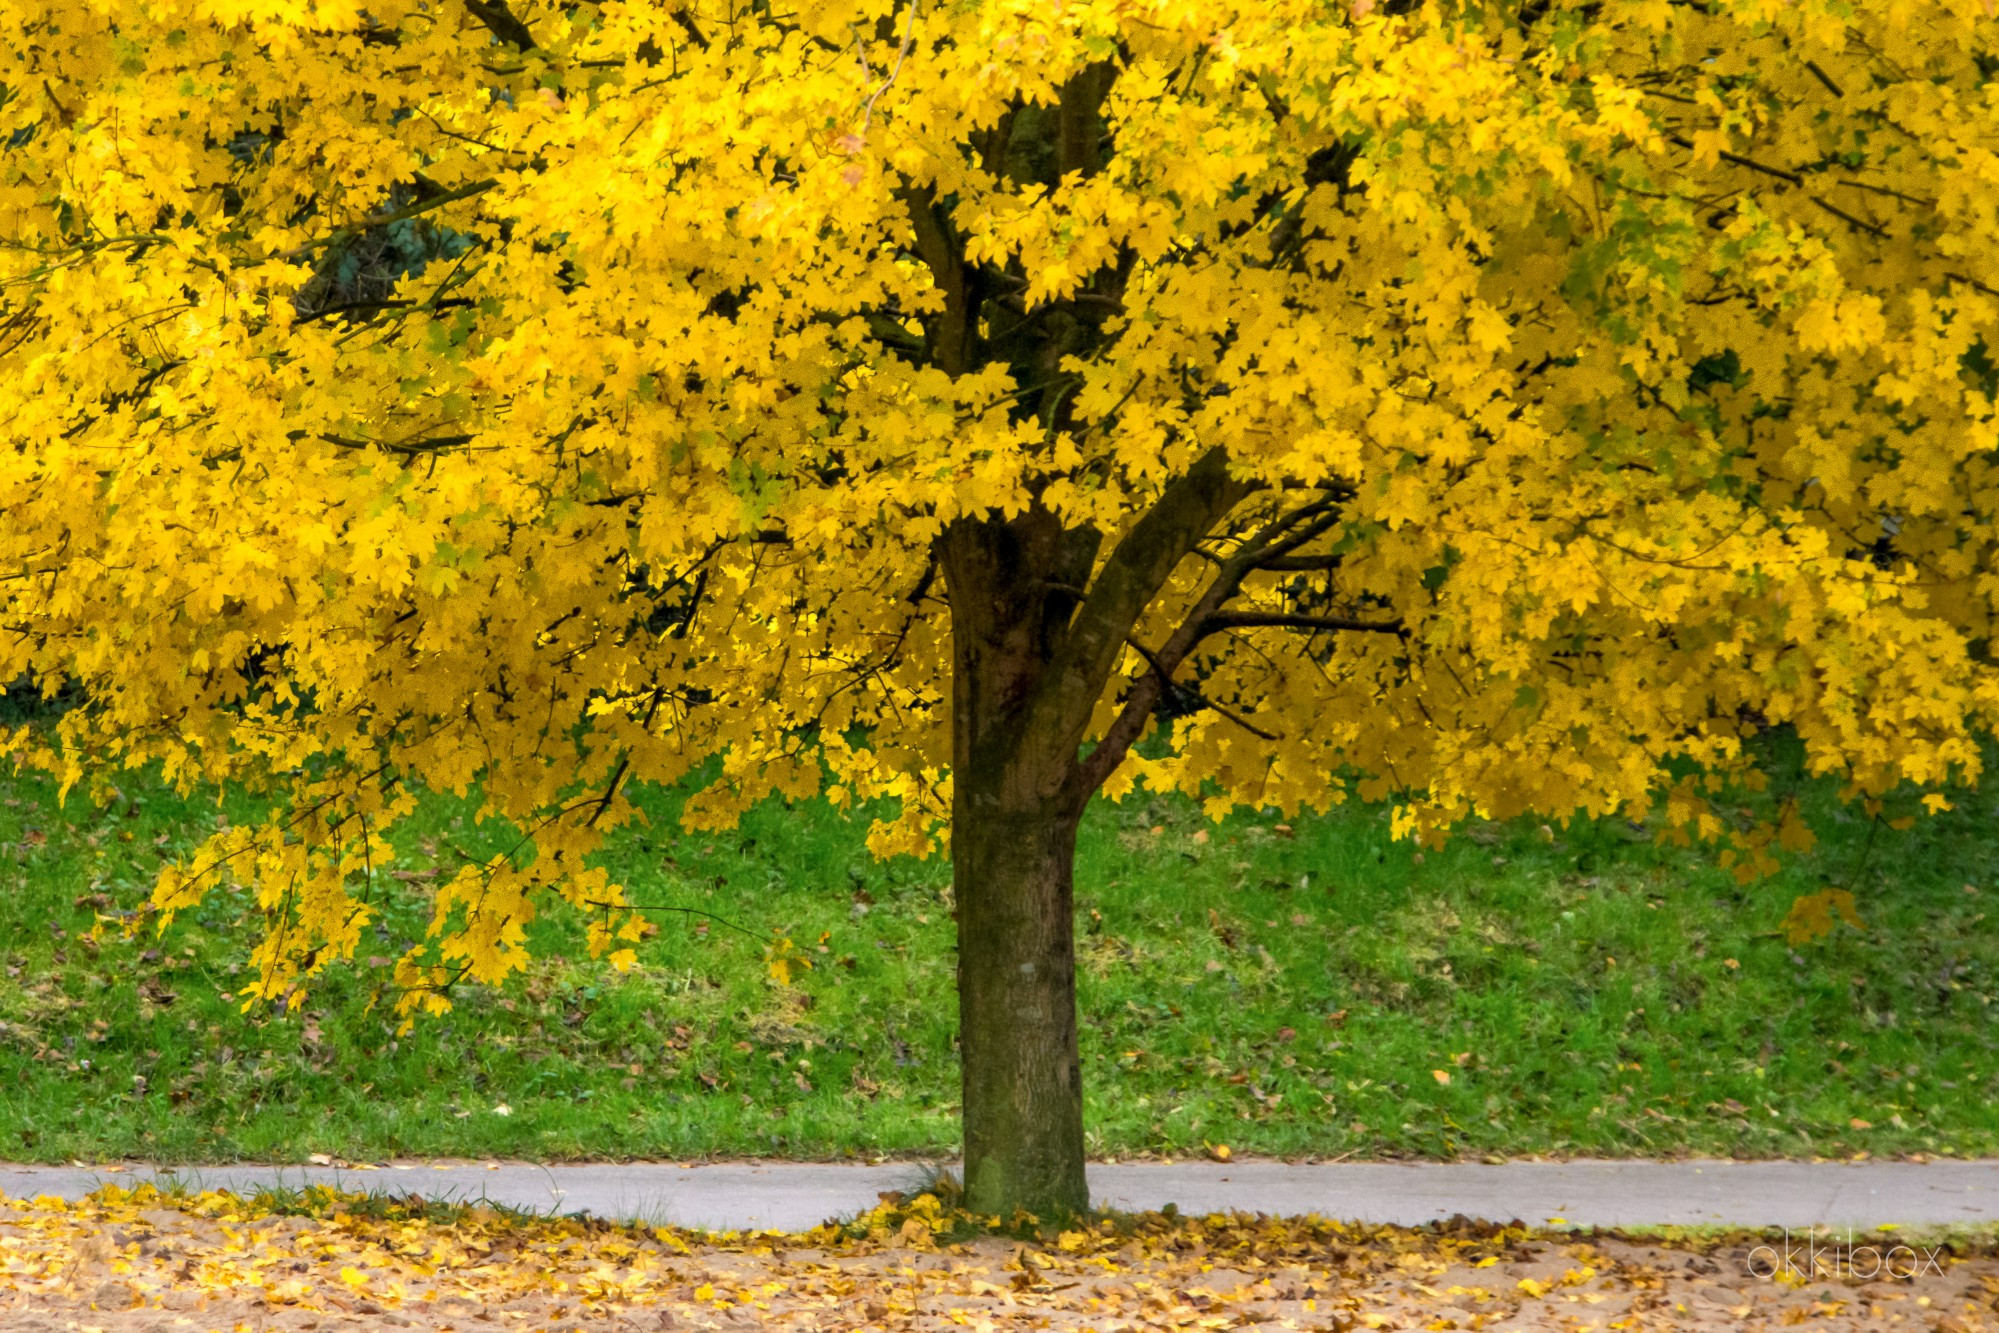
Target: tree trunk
point(1036, 630)
point(1023, 1090)
point(1030, 653)
point(1013, 842)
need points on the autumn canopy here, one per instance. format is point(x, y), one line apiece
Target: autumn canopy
point(1480, 407)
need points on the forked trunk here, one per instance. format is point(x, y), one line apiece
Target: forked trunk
point(1030, 654)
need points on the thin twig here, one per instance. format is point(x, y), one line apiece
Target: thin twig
point(1752, 164)
point(1847, 217)
point(908, 33)
point(1203, 699)
point(1824, 78)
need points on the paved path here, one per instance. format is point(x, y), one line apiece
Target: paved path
point(793, 1196)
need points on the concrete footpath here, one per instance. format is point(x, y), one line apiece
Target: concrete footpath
point(793, 1196)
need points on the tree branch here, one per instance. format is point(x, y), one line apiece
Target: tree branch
point(502, 23)
point(684, 911)
point(1851, 220)
point(412, 448)
point(1222, 620)
point(1300, 564)
point(954, 333)
point(1282, 535)
point(624, 764)
point(1747, 163)
point(397, 215)
point(1129, 580)
point(1203, 699)
point(1080, 120)
point(685, 18)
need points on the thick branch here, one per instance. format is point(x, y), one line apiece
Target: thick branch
point(1222, 620)
point(1281, 536)
point(685, 18)
point(1300, 564)
point(501, 22)
point(954, 333)
point(1130, 579)
point(1080, 118)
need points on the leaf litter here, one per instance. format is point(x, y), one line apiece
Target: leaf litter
point(141, 1261)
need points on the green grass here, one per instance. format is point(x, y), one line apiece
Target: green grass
point(1287, 990)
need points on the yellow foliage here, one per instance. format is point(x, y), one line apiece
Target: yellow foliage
point(1814, 915)
point(782, 958)
point(544, 398)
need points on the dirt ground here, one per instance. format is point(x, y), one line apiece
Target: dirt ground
point(126, 1263)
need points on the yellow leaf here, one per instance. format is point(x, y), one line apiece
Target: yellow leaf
point(1814, 915)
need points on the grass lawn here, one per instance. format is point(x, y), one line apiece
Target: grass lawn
point(1300, 990)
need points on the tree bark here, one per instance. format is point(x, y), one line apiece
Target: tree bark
point(1022, 1072)
point(1013, 839)
point(1033, 640)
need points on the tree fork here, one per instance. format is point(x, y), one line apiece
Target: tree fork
point(1031, 653)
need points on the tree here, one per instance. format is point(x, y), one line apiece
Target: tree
point(1482, 407)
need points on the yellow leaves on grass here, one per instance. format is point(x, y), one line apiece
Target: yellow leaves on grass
point(782, 958)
